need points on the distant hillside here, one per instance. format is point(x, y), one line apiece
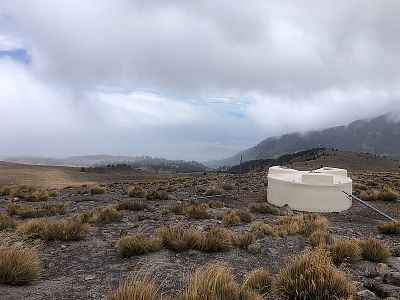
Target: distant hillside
point(318, 157)
point(380, 136)
point(103, 162)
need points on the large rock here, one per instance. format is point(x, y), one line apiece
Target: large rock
point(366, 295)
point(392, 278)
point(383, 289)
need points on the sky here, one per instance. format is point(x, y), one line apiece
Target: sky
point(189, 80)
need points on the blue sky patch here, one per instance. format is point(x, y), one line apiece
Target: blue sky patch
point(17, 54)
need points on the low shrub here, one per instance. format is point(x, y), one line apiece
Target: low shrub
point(258, 280)
point(263, 208)
point(375, 250)
point(135, 290)
point(392, 227)
point(138, 244)
point(312, 275)
point(131, 205)
point(97, 190)
point(47, 229)
point(135, 191)
point(345, 251)
point(6, 222)
point(19, 263)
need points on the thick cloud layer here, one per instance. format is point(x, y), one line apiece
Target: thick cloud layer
point(192, 79)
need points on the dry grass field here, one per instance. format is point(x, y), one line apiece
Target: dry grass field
point(77, 235)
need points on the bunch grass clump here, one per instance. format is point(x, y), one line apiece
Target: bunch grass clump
point(107, 214)
point(135, 191)
point(130, 245)
point(264, 228)
point(158, 195)
point(375, 250)
point(192, 209)
point(389, 195)
point(212, 191)
point(348, 250)
point(258, 280)
point(97, 190)
point(131, 205)
point(178, 238)
point(321, 238)
point(236, 217)
point(72, 229)
point(44, 210)
point(392, 227)
point(369, 195)
point(7, 222)
point(135, 290)
point(312, 275)
point(216, 240)
point(215, 282)
point(263, 208)
point(19, 263)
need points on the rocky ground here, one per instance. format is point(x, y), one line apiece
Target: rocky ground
point(87, 269)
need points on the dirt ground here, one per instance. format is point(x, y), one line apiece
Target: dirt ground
point(88, 269)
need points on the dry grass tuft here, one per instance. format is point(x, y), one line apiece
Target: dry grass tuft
point(136, 290)
point(135, 191)
point(243, 240)
point(216, 204)
point(228, 187)
point(218, 239)
point(312, 275)
point(130, 245)
point(215, 282)
point(264, 228)
point(212, 191)
point(388, 194)
point(107, 214)
point(258, 280)
point(263, 208)
point(375, 250)
point(131, 205)
point(192, 209)
point(178, 238)
point(19, 263)
point(345, 251)
point(158, 195)
point(44, 210)
point(27, 193)
point(6, 222)
point(369, 195)
point(235, 217)
point(392, 227)
point(97, 190)
point(321, 238)
point(47, 229)
point(300, 223)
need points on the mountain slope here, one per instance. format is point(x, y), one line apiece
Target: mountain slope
point(380, 135)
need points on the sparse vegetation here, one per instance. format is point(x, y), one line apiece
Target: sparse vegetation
point(321, 238)
point(135, 290)
point(375, 250)
point(178, 238)
point(264, 228)
point(392, 227)
point(388, 194)
point(131, 205)
point(369, 195)
point(228, 187)
point(47, 229)
point(26, 193)
point(312, 275)
point(263, 208)
point(218, 239)
point(216, 204)
point(212, 191)
point(19, 263)
point(192, 209)
point(138, 244)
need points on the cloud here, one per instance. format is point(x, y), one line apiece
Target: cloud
point(202, 73)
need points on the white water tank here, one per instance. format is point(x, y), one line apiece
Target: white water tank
point(312, 191)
